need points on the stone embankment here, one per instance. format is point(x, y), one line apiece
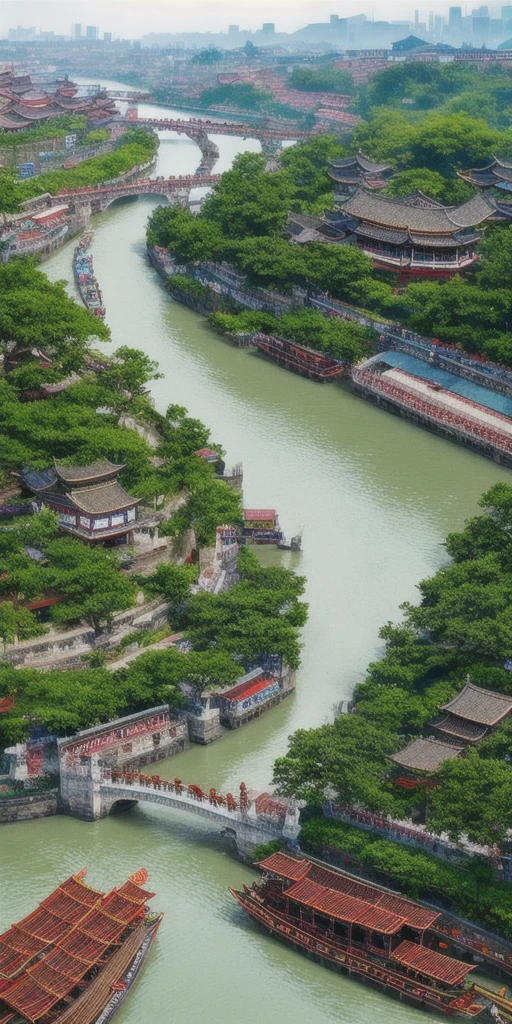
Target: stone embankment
point(28, 807)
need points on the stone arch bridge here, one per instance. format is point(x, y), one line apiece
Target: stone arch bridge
point(271, 138)
point(249, 820)
point(100, 197)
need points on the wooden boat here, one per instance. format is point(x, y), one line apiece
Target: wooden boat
point(368, 932)
point(75, 958)
point(83, 271)
point(306, 361)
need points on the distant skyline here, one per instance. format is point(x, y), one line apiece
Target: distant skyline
point(132, 19)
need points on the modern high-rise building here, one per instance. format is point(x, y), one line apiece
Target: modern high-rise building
point(91, 32)
point(269, 28)
point(107, 37)
point(233, 30)
point(455, 17)
point(76, 31)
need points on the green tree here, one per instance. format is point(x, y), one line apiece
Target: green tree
point(17, 624)
point(209, 56)
point(129, 371)
point(9, 198)
point(90, 581)
point(474, 799)
point(247, 200)
point(449, 191)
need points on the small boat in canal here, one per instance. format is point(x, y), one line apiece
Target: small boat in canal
point(300, 359)
point(83, 271)
point(389, 942)
point(75, 958)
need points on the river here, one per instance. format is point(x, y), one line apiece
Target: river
point(375, 497)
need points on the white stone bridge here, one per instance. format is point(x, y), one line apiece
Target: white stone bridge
point(252, 818)
point(271, 138)
point(99, 197)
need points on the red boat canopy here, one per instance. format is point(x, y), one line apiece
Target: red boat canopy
point(259, 513)
point(433, 965)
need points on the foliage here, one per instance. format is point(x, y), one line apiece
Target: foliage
point(208, 56)
point(17, 623)
point(210, 503)
point(189, 286)
point(449, 191)
point(9, 199)
point(307, 166)
point(329, 80)
point(133, 148)
point(264, 850)
point(90, 581)
point(462, 312)
point(97, 136)
point(468, 890)
point(172, 583)
point(129, 371)
point(56, 129)
point(247, 200)
point(260, 615)
point(35, 312)
point(242, 96)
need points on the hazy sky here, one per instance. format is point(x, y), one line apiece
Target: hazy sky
point(133, 18)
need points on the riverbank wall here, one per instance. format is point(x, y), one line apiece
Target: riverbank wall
point(28, 807)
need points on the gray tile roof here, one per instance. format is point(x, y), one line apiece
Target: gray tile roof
point(459, 727)
point(39, 479)
point(77, 474)
point(107, 497)
point(479, 705)
point(396, 213)
point(425, 755)
point(359, 161)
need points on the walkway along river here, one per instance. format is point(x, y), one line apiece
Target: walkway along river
point(376, 497)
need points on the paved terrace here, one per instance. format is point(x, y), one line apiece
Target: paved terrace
point(448, 400)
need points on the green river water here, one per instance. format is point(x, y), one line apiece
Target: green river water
point(375, 497)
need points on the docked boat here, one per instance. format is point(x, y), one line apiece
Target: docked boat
point(75, 958)
point(306, 361)
point(384, 939)
point(83, 271)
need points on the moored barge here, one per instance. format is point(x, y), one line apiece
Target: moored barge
point(75, 958)
point(366, 931)
point(83, 271)
point(300, 359)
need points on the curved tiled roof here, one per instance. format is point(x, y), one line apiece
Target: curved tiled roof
point(425, 755)
point(108, 497)
point(486, 707)
point(434, 965)
point(416, 216)
point(79, 474)
point(460, 728)
point(361, 161)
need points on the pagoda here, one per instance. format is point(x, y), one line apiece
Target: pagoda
point(354, 172)
point(468, 718)
point(89, 500)
point(415, 234)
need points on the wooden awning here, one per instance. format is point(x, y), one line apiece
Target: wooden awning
point(344, 908)
point(431, 964)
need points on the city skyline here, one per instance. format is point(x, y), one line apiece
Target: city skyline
point(132, 19)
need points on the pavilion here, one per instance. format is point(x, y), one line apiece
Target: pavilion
point(415, 234)
point(468, 718)
point(354, 172)
point(90, 501)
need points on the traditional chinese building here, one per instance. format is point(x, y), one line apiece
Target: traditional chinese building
point(415, 234)
point(468, 718)
point(354, 172)
point(89, 500)
point(472, 714)
point(496, 174)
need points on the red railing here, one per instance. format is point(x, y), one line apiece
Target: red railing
point(404, 397)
